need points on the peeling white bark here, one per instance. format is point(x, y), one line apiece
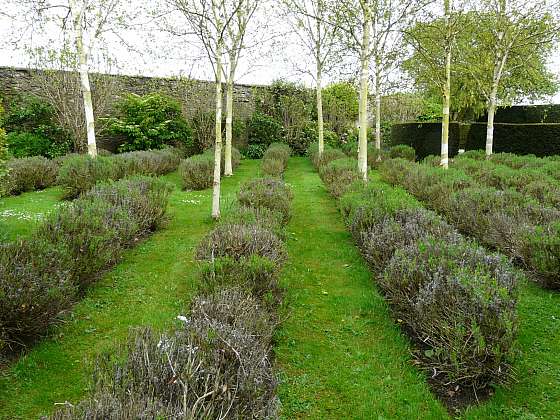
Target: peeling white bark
point(77, 19)
point(218, 143)
point(228, 168)
point(446, 93)
point(320, 122)
point(363, 106)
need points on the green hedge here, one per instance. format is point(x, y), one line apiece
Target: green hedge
point(526, 114)
point(425, 138)
point(521, 139)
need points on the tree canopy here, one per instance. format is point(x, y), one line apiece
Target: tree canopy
point(525, 75)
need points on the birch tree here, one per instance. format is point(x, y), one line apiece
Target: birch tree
point(510, 35)
point(241, 13)
point(484, 77)
point(446, 84)
point(390, 18)
point(209, 20)
point(433, 46)
point(355, 21)
point(86, 23)
point(314, 23)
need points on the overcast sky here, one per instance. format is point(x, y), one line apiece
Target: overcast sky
point(152, 52)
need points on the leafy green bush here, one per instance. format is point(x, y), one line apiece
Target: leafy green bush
point(339, 174)
point(302, 137)
point(33, 130)
point(150, 122)
point(197, 172)
point(241, 241)
point(255, 151)
point(340, 107)
point(402, 151)
point(22, 144)
point(30, 174)
point(264, 129)
point(270, 193)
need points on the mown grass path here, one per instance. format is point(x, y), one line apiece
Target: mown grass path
point(148, 287)
point(340, 354)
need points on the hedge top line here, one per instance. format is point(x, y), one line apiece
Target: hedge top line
point(421, 123)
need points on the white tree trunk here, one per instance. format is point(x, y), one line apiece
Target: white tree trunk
point(363, 106)
point(493, 101)
point(490, 123)
point(320, 122)
point(446, 93)
point(378, 105)
point(218, 144)
point(77, 14)
point(228, 168)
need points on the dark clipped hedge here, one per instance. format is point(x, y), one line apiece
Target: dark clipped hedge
point(526, 114)
point(521, 139)
point(425, 138)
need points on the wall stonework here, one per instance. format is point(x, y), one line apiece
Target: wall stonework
point(196, 96)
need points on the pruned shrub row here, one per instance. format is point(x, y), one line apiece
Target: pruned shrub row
point(79, 173)
point(41, 276)
point(29, 174)
point(456, 300)
point(506, 220)
point(374, 156)
point(217, 362)
point(533, 182)
point(197, 172)
point(275, 159)
point(548, 166)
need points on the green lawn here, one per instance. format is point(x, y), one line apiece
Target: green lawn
point(149, 287)
point(20, 214)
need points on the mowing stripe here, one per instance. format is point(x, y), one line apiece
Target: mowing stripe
point(339, 352)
